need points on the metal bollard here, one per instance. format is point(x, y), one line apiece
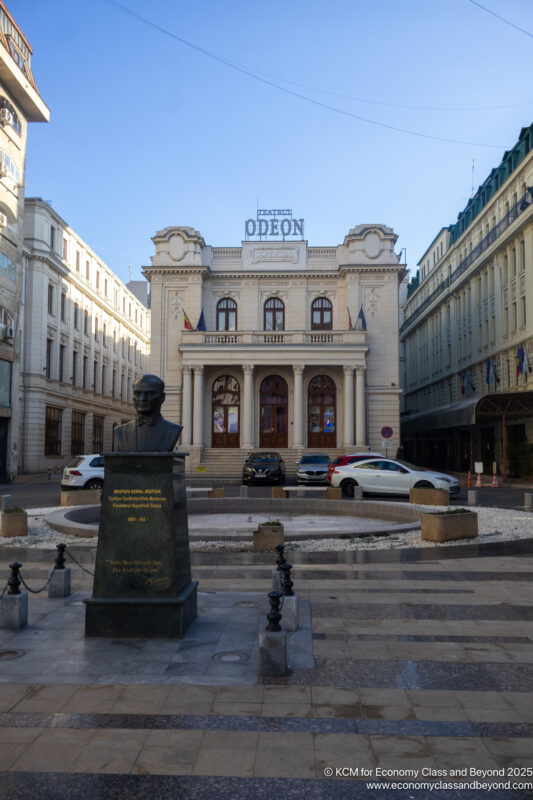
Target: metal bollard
point(276, 572)
point(274, 615)
point(286, 583)
point(59, 585)
point(14, 580)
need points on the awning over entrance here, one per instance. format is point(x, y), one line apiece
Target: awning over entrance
point(489, 408)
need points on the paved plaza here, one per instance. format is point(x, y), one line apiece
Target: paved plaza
point(410, 667)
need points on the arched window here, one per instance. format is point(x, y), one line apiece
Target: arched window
point(321, 314)
point(274, 315)
point(226, 314)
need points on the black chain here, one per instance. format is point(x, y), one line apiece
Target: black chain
point(4, 590)
point(37, 591)
point(88, 571)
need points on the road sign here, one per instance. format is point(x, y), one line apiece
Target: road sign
point(387, 432)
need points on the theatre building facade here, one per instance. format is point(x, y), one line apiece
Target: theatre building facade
point(273, 358)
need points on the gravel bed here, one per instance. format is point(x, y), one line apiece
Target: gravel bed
point(495, 525)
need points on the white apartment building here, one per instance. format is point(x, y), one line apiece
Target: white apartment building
point(279, 363)
point(20, 103)
point(468, 331)
point(86, 340)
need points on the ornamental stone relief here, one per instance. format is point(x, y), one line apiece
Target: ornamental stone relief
point(175, 304)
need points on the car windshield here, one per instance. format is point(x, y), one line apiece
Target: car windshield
point(315, 460)
point(264, 458)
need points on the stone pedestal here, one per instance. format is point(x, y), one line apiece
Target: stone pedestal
point(244, 491)
point(289, 613)
point(14, 611)
point(59, 586)
point(272, 654)
point(142, 583)
point(528, 500)
point(473, 497)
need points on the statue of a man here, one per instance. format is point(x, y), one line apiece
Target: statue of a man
point(149, 432)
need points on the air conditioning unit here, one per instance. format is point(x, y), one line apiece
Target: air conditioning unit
point(3, 221)
point(4, 170)
point(9, 332)
point(6, 117)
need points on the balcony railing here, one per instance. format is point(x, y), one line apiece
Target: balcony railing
point(325, 338)
point(514, 212)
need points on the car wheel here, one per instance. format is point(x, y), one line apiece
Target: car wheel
point(347, 487)
point(95, 484)
point(423, 485)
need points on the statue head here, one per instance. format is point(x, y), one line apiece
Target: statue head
point(148, 395)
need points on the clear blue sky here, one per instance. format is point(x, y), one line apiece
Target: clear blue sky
point(146, 131)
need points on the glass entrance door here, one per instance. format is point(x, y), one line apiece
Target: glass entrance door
point(273, 412)
point(225, 412)
point(322, 422)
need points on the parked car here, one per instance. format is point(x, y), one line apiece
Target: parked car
point(389, 476)
point(341, 461)
point(84, 472)
point(312, 468)
point(263, 467)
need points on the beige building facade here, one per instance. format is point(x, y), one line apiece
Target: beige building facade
point(468, 330)
point(86, 340)
point(20, 104)
point(279, 364)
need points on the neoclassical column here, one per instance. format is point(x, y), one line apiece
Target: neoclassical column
point(348, 407)
point(360, 406)
point(247, 437)
point(298, 437)
point(198, 415)
point(186, 405)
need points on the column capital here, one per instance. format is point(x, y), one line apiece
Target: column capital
point(348, 370)
point(187, 369)
point(198, 370)
point(360, 369)
point(248, 369)
point(298, 369)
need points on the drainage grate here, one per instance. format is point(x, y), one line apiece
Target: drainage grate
point(232, 657)
point(6, 655)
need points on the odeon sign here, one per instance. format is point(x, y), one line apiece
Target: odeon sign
point(275, 223)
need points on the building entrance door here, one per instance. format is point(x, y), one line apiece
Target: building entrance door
point(274, 405)
point(3, 449)
point(225, 412)
point(322, 423)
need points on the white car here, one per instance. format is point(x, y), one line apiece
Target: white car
point(389, 476)
point(84, 472)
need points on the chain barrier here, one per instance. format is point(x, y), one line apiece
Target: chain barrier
point(36, 591)
point(88, 571)
point(4, 591)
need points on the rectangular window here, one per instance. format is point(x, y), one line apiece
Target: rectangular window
point(76, 317)
point(48, 367)
point(74, 366)
point(63, 305)
point(105, 287)
point(98, 434)
point(113, 383)
point(77, 446)
point(77, 260)
point(122, 387)
point(103, 378)
point(123, 305)
point(65, 249)
point(52, 238)
point(95, 375)
point(50, 299)
point(114, 340)
point(96, 329)
point(61, 362)
point(86, 322)
point(97, 280)
point(522, 311)
point(84, 376)
point(52, 431)
point(5, 384)
point(116, 297)
point(87, 270)
point(513, 318)
point(104, 333)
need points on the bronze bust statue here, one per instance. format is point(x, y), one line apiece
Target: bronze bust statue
point(149, 432)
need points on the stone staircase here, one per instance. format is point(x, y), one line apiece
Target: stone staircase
point(226, 463)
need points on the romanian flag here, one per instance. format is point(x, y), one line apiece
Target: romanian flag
point(350, 326)
point(187, 322)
